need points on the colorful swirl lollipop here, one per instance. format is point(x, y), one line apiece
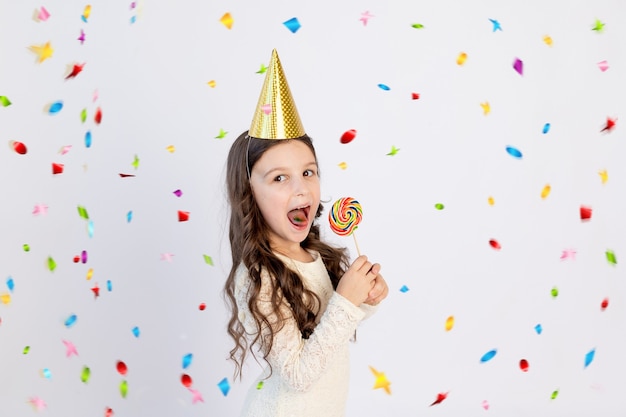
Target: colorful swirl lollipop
point(345, 216)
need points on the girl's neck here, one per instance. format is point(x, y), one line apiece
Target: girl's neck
point(297, 254)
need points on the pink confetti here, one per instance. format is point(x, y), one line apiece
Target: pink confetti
point(81, 38)
point(267, 108)
point(568, 254)
point(197, 396)
point(178, 193)
point(603, 65)
point(167, 257)
point(518, 66)
point(65, 149)
point(485, 404)
point(365, 17)
point(40, 209)
point(70, 349)
point(37, 403)
point(43, 14)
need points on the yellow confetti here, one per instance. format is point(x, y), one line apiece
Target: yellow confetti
point(87, 11)
point(486, 108)
point(604, 176)
point(343, 165)
point(381, 381)
point(449, 323)
point(43, 51)
point(171, 149)
point(227, 20)
point(5, 298)
point(546, 191)
point(460, 60)
point(211, 83)
point(89, 274)
point(491, 201)
point(547, 40)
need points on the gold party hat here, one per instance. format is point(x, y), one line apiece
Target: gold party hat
point(276, 115)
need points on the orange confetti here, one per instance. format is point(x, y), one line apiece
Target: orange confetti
point(491, 201)
point(449, 323)
point(227, 20)
point(546, 191)
point(211, 83)
point(461, 58)
point(343, 165)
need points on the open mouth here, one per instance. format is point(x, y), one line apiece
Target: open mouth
point(299, 217)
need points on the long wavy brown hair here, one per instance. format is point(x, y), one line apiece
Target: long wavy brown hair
point(250, 246)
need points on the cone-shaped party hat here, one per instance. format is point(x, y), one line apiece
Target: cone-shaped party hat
point(276, 115)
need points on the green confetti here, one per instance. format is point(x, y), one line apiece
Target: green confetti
point(82, 212)
point(262, 70)
point(208, 259)
point(4, 101)
point(26, 247)
point(554, 292)
point(222, 134)
point(84, 376)
point(52, 265)
point(136, 162)
point(124, 389)
point(439, 206)
point(393, 151)
point(259, 385)
point(26, 350)
point(83, 115)
point(417, 26)
point(610, 256)
point(554, 394)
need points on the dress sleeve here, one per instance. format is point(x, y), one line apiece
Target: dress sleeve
point(300, 362)
point(368, 310)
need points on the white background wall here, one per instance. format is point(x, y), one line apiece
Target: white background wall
point(151, 81)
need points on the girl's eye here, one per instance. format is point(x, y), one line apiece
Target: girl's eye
point(280, 178)
point(309, 173)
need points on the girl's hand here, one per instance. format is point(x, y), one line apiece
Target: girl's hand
point(358, 280)
point(379, 292)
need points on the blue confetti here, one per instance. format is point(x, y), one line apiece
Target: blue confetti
point(224, 386)
point(136, 331)
point(88, 139)
point(404, 288)
point(538, 329)
point(488, 356)
point(70, 321)
point(55, 107)
point(187, 360)
point(10, 284)
point(292, 24)
point(514, 152)
point(546, 128)
point(384, 87)
point(589, 357)
point(90, 228)
point(129, 216)
point(83, 18)
point(109, 286)
point(46, 373)
point(133, 19)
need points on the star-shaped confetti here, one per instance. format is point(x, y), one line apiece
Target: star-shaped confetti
point(197, 396)
point(604, 176)
point(598, 26)
point(365, 17)
point(486, 108)
point(440, 397)
point(568, 254)
point(70, 349)
point(76, 69)
point(262, 70)
point(496, 25)
point(96, 290)
point(222, 134)
point(393, 151)
point(37, 403)
point(40, 209)
point(81, 37)
point(43, 52)
point(381, 381)
point(610, 125)
point(167, 257)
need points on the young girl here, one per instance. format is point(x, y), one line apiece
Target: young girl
point(293, 298)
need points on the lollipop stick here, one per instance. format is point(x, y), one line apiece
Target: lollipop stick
point(356, 244)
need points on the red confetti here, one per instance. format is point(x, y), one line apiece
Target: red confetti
point(57, 168)
point(415, 96)
point(605, 304)
point(186, 380)
point(18, 147)
point(440, 397)
point(183, 216)
point(76, 259)
point(98, 117)
point(495, 244)
point(348, 136)
point(202, 306)
point(121, 368)
point(108, 412)
point(523, 365)
point(610, 124)
point(585, 213)
point(76, 69)
point(96, 292)
point(126, 175)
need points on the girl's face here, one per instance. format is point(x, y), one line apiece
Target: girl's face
point(286, 188)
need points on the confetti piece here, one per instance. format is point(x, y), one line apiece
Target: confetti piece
point(5, 299)
point(202, 307)
point(65, 149)
point(589, 357)
point(538, 329)
point(135, 163)
point(415, 96)
point(84, 376)
point(554, 394)
point(183, 216)
point(4, 101)
point(449, 323)
point(393, 151)
point(37, 403)
point(123, 389)
point(83, 256)
point(211, 83)
point(262, 70)
point(610, 125)
point(55, 107)
point(76, 69)
point(108, 412)
point(491, 201)
point(440, 397)
point(439, 206)
point(178, 193)
point(495, 244)
point(222, 134)
point(186, 380)
point(81, 37)
point(46, 373)
point(547, 40)
point(88, 139)
point(546, 128)
point(485, 404)
point(568, 254)
point(259, 385)
point(384, 87)
point(26, 350)
point(126, 175)
point(604, 304)
point(224, 386)
point(604, 176)
point(40, 209)
point(460, 60)
point(83, 115)
point(136, 331)
point(523, 365)
point(381, 381)
point(603, 65)
point(167, 257)
point(89, 274)
point(90, 228)
point(554, 292)
point(486, 108)
point(42, 14)
point(43, 52)
point(171, 149)
point(496, 25)
point(598, 26)
point(342, 165)
point(52, 265)
point(404, 289)
point(417, 26)
point(70, 349)
point(518, 65)
point(197, 396)
point(267, 108)
point(227, 20)
point(546, 191)
point(365, 17)
point(110, 286)
point(129, 216)
point(87, 12)
point(121, 368)
point(187, 360)
point(57, 168)
point(70, 321)
point(514, 152)
point(96, 291)
point(292, 24)
point(10, 284)
point(18, 147)
point(348, 136)
point(488, 356)
point(610, 257)
point(585, 213)
point(26, 247)
point(97, 118)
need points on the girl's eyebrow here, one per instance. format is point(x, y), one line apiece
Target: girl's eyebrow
point(272, 170)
